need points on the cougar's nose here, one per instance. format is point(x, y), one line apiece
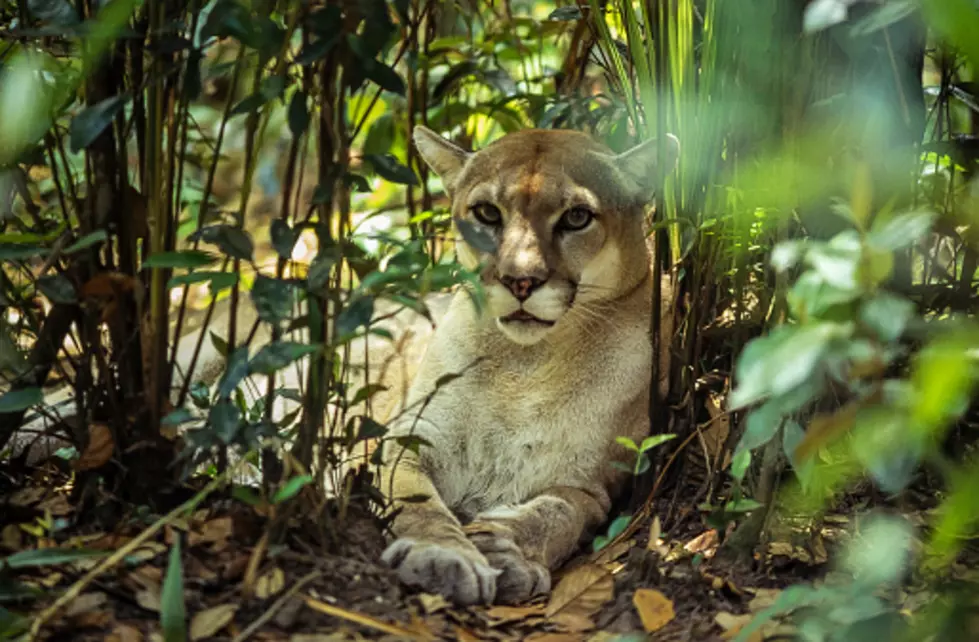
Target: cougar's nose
point(521, 287)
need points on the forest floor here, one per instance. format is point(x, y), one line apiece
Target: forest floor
point(315, 585)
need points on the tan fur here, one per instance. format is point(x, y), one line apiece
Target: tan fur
point(515, 469)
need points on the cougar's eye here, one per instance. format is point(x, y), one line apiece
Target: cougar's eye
point(577, 218)
point(487, 214)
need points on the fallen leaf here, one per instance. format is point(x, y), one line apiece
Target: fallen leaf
point(212, 532)
point(99, 451)
point(124, 633)
point(503, 614)
point(583, 591)
point(613, 552)
point(763, 598)
point(655, 609)
point(91, 620)
point(554, 637)
point(149, 599)
point(11, 537)
point(270, 583)
point(27, 496)
point(655, 530)
point(432, 602)
point(572, 622)
point(464, 635)
point(732, 625)
point(209, 622)
point(86, 602)
point(706, 541)
point(57, 505)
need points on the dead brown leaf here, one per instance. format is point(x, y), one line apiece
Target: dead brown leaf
point(705, 543)
point(11, 537)
point(99, 451)
point(503, 614)
point(464, 635)
point(583, 591)
point(57, 505)
point(763, 598)
point(27, 496)
point(613, 552)
point(732, 625)
point(572, 622)
point(209, 622)
point(270, 583)
point(655, 530)
point(124, 633)
point(149, 599)
point(215, 531)
point(655, 609)
point(554, 637)
point(86, 602)
point(432, 602)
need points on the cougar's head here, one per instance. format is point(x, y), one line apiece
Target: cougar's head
point(555, 218)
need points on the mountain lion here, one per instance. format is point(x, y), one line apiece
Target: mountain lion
point(517, 408)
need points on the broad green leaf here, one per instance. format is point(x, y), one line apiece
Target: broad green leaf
point(178, 417)
point(743, 505)
point(740, 463)
point(283, 238)
point(298, 114)
point(291, 488)
point(475, 236)
point(761, 426)
point(57, 288)
point(900, 231)
point(276, 356)
point(272, 87)
point(366, 392)
point(86, 241)
point(235, 371)
point(233, 241)
point(570, 12)
point(173, 611)
point(369, 429)
point(388, 168)
point(380, 136)
point(879, 553)
point(273, 299)
point(250, 103)
point(792, 436)
point(838, 261)
point(357, 314)
point(218, 280)
point(887, 315)
point(17, 252)
point(783, 360)
point(50, 557)
point(655, 440)
point(627, 443)
point(17, 400)
point(25, 103)
point(187, 259)
point(92, 121)
point(452, 77)
point(224, 421)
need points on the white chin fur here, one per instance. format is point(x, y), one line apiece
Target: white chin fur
point(523, 333)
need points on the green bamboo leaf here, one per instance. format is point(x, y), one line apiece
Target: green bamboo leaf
point(187, 259)
point(16, 400)
point(276, 356)
point(92, 121)
point(173, 611)
point(50, 557)
point(298, 114)
point(291, 488)
point(86, 241)
point(388, 167)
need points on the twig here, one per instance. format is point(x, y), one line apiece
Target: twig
point(75, 589)
point(362, 619)
point(278, 604)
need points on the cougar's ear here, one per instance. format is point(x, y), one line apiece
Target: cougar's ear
point(639, 164)
point(445, 159)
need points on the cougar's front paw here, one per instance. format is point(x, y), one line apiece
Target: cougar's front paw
point(520, 578)
point(464, 577)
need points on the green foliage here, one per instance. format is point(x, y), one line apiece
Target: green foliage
point(173, 611)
